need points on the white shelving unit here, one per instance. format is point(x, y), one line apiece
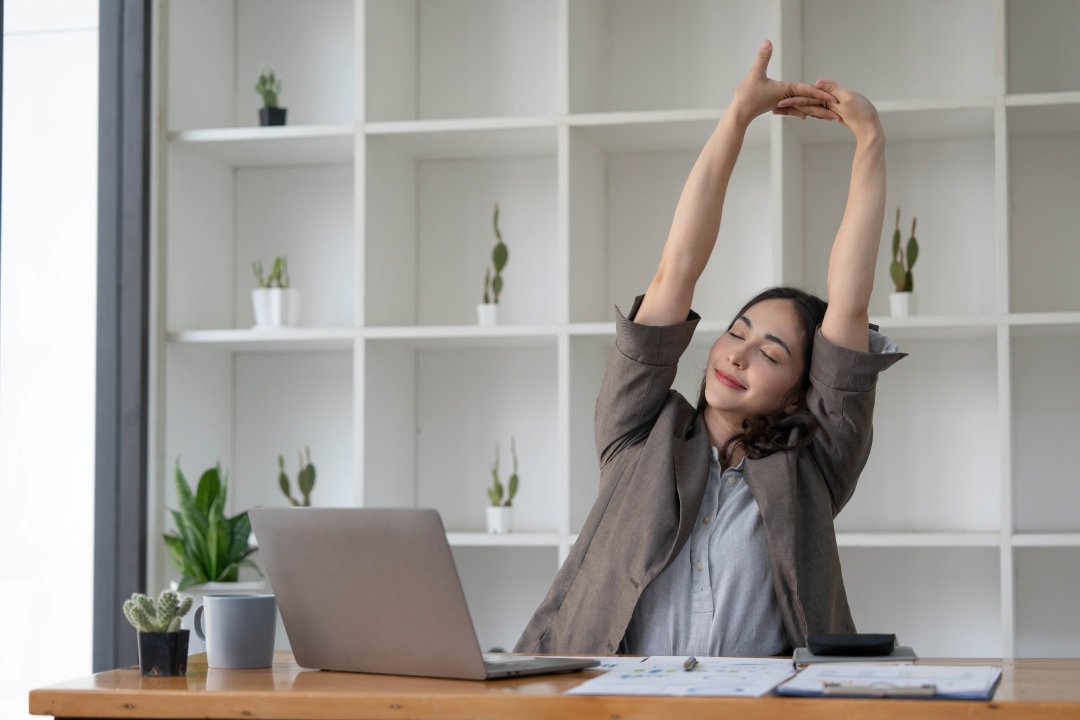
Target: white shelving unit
point(410, 118)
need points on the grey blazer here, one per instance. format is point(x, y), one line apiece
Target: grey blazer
point(654, 464)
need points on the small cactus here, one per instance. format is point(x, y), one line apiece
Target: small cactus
point(305, 479)
point(163, 616)
point(496, 493)
point(279, 273)
point(901, 275)
point(499, 256)
point(268, 87)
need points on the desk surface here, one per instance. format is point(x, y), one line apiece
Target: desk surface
point(1028, 687)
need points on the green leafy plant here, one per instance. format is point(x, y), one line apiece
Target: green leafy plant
point(496, 494)
point(305, 478)
point(493, 284)
point(268, 87)
point(903, 260)
point(207, 546)
point(279, 273)
point(145, 615)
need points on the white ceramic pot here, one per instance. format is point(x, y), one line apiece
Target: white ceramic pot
point(198, 592)
point(275, 307)
point(499, 519)
point(902, 304)
point(487, 314)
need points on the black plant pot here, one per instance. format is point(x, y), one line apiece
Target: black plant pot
point(272, 116)
point(163, 653)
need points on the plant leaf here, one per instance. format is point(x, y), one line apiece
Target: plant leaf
point(896, 270)
point(912, 252)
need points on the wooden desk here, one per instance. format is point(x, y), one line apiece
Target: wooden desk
point(1029, 688)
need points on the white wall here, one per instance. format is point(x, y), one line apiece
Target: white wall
point(48, 267)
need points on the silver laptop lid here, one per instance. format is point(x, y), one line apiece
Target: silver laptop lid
point(368, 590)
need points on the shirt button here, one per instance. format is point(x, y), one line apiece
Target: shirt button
point(732, 479)
point(707, 519)
point(699, 565)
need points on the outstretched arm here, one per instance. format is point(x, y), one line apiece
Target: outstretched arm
point(697, 217)
point(855, 249)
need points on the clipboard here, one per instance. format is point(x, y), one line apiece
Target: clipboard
point(873, 680)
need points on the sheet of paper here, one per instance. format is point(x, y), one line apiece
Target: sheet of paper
point(713, 677)
point(954, 681)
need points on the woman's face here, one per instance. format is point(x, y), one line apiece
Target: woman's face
point(754, 366)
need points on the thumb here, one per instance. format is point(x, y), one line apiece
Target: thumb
point(761, 62)
point(826, 85)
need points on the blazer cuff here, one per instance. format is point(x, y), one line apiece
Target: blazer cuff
point(661, 345)
point(850, 370)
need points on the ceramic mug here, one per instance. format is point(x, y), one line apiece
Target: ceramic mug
point(238, 630)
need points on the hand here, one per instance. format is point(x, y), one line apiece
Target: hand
point(850, 109)
point(757, 93)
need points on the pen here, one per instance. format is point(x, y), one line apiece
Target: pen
point(690, 664)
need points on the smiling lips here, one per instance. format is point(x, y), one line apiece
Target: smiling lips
point(728, 380)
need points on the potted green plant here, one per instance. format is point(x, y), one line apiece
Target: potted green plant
point(208, 549)
point(902, 301)
point(269, 87)
point(163, 644)
point(305, 479)
point(487, 311)
point(500, 512)
point(273, 302)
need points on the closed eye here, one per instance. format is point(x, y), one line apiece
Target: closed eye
point(774, 361)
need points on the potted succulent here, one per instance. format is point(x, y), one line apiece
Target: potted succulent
point(269, 87)
point(209, 548)
point(163, 645)
point(902, 302)
point(500, 512)
point(274, 303)
point(305, 479)
point(487, 311)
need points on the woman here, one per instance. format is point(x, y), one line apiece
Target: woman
point(713, 530)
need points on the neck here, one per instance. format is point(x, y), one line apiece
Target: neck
point(721, 428)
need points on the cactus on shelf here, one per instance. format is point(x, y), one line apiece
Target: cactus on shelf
point(279, 273)
point(903, 259)
point(496, 493)
point(305, 478)
point(268, 87)
point(493, 283)
point(145, 615)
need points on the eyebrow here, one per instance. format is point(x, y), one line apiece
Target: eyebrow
point(768, 336)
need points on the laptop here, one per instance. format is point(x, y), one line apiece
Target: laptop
point(375, 590)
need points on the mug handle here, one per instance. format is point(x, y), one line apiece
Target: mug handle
point(198, 623)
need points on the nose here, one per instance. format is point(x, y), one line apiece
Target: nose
point(736, 357)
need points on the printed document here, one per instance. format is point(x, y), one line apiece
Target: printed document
point(711, 677)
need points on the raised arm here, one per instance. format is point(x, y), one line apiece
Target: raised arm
point(855, 249)
point(697, 217)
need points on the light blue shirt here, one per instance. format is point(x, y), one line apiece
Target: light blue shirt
point(717, 597)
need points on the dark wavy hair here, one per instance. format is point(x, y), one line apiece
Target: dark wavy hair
point(764, 435)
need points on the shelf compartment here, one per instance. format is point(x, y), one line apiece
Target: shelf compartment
point(921, 173)
point(435, 415)
point(898, 54)
point(503, 589)
point(269, 340)
point(417, 69)
point(429, 237)
point(940, 601)
point(216, 51)
point(630, 55)
point(1045, 398)
point(1034, 325)
point(271, 146)
point(1042, 45)
point(914, 454)
point(621, 209)
point(1044, 173)
point(1047, 584)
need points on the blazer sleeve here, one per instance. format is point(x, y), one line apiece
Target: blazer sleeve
point(841, 396)
point(638, 376)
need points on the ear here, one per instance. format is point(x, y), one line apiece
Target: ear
point(798, 402)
